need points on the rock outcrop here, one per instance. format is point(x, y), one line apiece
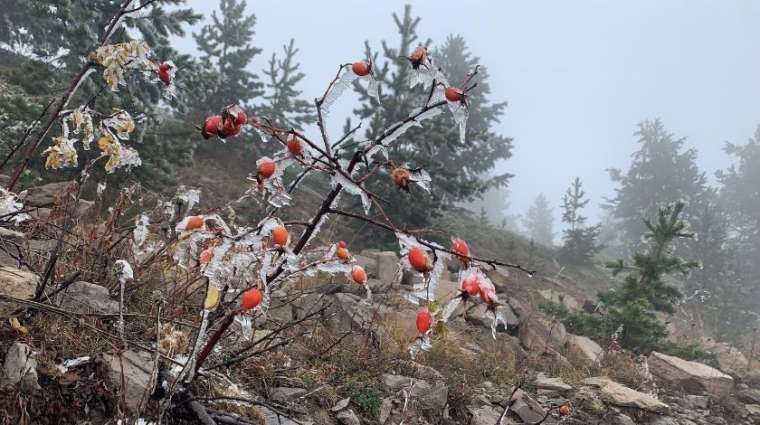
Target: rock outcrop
point(16, 283)
point(691, 377)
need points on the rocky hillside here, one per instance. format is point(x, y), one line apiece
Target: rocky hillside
point(326, 353)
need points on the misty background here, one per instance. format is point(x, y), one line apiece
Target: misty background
point(578, 76)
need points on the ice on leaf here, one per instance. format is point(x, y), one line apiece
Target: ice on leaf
point(353, 188)
point(116, 59)
point(337, 88)
point(460, 111)
point(10, 207)
point(421, 343)
point(123, 271)
point(141, 232)
point(61, 154)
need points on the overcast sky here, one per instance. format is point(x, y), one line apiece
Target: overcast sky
point(578, 75)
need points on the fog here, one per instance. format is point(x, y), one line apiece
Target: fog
point(578, 76)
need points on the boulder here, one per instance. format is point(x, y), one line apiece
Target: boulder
point(87, 297)
point(285, 395)
point(584, 350)
point(19, 368)
point(429, 398)
point(544, 384)
point(44, 196)
point(16, 283)
point(135, 368)
point(560, 298)
point(526, 408)
point(480, 315)
point(499, 276)
point(750, 396)
point(348, 417)
point(692, 377)
point(387, 268)
point(484, 415)
point(271, 417)
point(622, 396)
point(692, 402)
point(540, 334)
point(752, 378)
point(10, 242)
point(729, 358)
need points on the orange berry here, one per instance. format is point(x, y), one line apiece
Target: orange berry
point(164, 73)
point(454, 94)
point(459, 246)
point(251, 298)
point(419, 259)
point(342, 244)
point(359, 275)
point(280, 236)
point(265, 167)
point(241, 118)
point(400, 177)
point(417, 57)
point(342, 253)
point(360, 68)
point(424, 320)
point(211, 126)
point(565, 409)
point(471, 285)
point(194, 222)
point(206, 255)
point(295, 146)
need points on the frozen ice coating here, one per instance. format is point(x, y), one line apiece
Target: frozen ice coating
point(141, 232)
point(352, 188)
point(460, 112)
point(10, 208)
point(421, 343)
point(189, 197)
point(335, 90)
point(123, 271)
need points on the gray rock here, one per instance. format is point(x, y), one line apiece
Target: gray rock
point(752, 378)
point(540, 334)
point(84, 297)
point(526, 408)
point(387, 268)
point(483, 415)
point(622, 396)
point(692, 377)
point(134, 369)
point(341, 404)
point(286, 394)
point(348, 417)
point(10, 243)
point(750, 396)
point(16, 283)
point(584, 350)
point(696, 401)
point(273, 418)
point(44, 196)
point(430, 397)
point(546, 384)
point(19, 368)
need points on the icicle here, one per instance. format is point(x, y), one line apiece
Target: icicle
point(450, 307)
point(336, 90)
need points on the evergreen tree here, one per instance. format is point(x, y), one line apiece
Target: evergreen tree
point(45, 46)
point(579, 241)
point(459, 170)
point(227, 49)
point(283, 103)
point(644, 290)
point(539, 221)
point(662, 171)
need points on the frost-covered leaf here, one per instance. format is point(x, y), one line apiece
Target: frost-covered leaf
point(337, 88)
point(123, 271)
point(352, 188)
point(10, 207)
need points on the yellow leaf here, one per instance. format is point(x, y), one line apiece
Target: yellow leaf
point(212, 298)
point(17, 326)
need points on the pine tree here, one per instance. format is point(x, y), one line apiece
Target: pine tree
point(227, 49)
point(459, 170)
point(662, 171)
point(579, 241)
point(644, 290)
point(283, 103)
point(36, 36)
point(539, 221)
